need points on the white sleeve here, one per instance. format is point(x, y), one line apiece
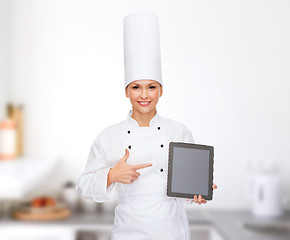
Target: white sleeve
point(93, 181)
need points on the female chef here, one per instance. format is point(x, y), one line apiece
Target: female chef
point(130, 157)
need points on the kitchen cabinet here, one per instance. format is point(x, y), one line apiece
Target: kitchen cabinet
point(29, 232)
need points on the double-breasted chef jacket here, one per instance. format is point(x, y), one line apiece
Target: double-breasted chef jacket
point(144, 210)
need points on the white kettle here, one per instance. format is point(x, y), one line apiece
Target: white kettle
point(266, 195)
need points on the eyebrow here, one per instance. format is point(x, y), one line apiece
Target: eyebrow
point(148, 84)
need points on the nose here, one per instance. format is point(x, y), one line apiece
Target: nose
point(144, 94)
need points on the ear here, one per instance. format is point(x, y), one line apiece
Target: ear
point(161, 91)
point(126, 92)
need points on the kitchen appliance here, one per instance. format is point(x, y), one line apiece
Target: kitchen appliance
point(70, 196)
point(266, 195)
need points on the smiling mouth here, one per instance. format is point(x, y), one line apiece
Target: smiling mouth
point(144, 103)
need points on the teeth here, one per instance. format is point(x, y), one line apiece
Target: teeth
point(144, 103)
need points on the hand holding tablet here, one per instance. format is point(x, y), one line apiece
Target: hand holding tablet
point(190, 171)
point(198, 199)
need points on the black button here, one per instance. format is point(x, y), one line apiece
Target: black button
point(129, 147)
point(158, 128)
point(128, 132)
point(161, 145)
point(161, 170)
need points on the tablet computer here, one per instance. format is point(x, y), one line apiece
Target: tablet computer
point(190, 170)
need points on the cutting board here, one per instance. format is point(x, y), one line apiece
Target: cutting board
point(42, 214)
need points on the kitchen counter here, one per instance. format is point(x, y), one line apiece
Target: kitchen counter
point(227, 223)
point(230, 224)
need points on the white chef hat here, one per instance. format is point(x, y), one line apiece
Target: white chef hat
point(142, 47)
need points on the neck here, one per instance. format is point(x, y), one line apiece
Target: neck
point(143, 119)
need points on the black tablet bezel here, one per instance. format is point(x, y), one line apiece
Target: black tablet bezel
point(172, 145)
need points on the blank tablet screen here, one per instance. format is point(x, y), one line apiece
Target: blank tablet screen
point(190, 170)
point(197, 160)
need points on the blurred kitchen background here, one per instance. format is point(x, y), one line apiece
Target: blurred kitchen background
point(226, 76)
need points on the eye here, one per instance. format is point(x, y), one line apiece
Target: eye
point(152, 87)
point(135, 87)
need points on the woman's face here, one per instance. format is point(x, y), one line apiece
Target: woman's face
point(144, 95)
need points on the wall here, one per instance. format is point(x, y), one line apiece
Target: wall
point(3, 56)
point(225, 72)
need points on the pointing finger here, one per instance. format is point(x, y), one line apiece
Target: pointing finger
point(135, 167)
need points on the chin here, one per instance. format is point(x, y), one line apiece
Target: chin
point(145, 110)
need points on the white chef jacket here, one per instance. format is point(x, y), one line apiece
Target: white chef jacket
point(144, 210)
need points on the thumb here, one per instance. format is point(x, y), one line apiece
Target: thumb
point(126, 156)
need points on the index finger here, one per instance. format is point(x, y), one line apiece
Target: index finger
point(139, 166)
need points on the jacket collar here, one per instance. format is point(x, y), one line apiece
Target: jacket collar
point(153, 122)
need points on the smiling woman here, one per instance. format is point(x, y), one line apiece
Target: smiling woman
point(144, 96)
point(140, 175)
